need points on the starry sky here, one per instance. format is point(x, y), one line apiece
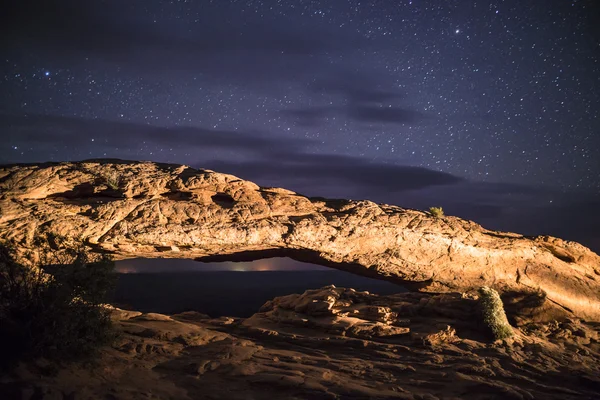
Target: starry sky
point(488, 108)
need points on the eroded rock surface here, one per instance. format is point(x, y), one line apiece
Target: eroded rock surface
point(155, 210)
point(330, 343)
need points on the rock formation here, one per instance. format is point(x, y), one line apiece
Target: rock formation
point(135, 209)
point(329, 343)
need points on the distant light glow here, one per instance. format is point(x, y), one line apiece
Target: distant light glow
point(141, 265)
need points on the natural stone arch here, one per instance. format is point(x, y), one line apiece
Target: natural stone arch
point(171, 211)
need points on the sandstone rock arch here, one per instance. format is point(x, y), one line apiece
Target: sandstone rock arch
point(134, 209)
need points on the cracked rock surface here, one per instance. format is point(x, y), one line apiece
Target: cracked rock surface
point(144, 209)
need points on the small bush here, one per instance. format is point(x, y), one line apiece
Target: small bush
point(493, 313)
point(437, 212)
point(54, 311)
point(113, 180)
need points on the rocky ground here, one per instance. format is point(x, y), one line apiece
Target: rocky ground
point(330, 343)
point(327, 343)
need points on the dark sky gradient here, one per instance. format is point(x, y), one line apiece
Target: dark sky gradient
point(490, 109)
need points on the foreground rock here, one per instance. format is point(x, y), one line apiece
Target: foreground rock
point(155, 210)
point(331, 343)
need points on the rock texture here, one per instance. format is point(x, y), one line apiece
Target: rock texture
point(156, 210)
point(331, 343)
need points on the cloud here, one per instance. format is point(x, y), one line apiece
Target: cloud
point(355, 88)
point(288, 162)
point(310, 116)
point(380, 114)
point(371, 114)
point(114, 27)
point(123, 34)
point(333, 175)
point(361, 100)
point(270, 161)
point(250, 154)
point(82, 135)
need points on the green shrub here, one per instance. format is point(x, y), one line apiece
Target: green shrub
point(54, 311)
point(113, 180)
point(493, 313)
point(437, 212)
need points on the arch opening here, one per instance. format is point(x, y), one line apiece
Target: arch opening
point(226, 287)
point(311, 257)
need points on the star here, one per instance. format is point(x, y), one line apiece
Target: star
point(343, 76)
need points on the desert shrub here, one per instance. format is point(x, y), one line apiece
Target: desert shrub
point(493, 313)
point(437, 212)
point(54, 311)
point(113, 180)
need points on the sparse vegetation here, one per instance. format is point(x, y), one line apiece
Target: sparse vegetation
point(54, 311)
point(437, 212)
point(113, 180)
point(493, 313)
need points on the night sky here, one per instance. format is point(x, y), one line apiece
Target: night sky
point(490, 109)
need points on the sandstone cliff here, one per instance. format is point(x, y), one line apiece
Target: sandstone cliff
point(133, 209)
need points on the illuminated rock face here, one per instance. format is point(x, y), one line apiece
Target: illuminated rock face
point(150, 210)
